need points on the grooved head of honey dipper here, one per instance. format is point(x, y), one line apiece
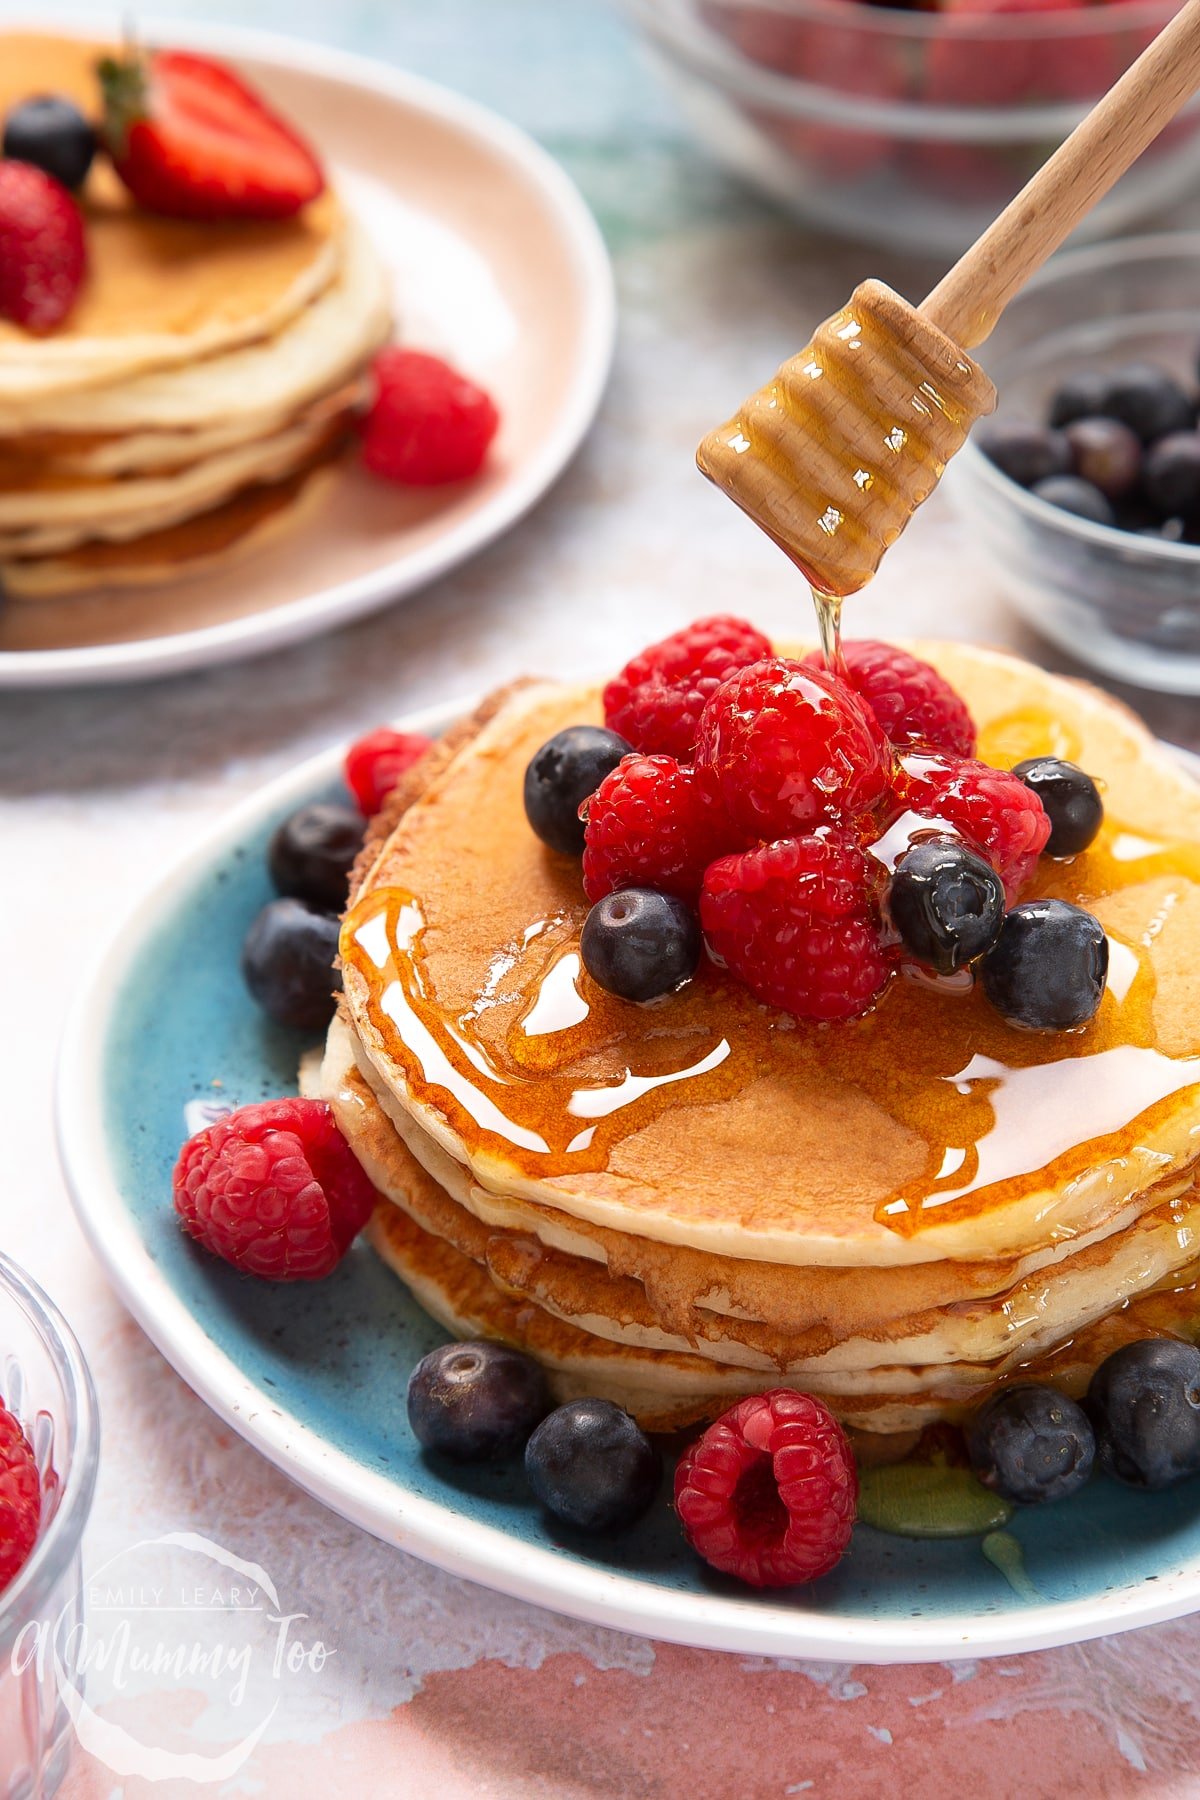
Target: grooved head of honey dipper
point(834, 456)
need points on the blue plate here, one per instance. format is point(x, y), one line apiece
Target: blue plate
point(314, 1376)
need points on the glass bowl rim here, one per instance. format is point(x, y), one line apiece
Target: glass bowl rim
point(1183, 245)
point(57, 1544)
point(706, 54)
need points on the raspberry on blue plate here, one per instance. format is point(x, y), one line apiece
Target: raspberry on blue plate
point(769, 1492)
point(274, 1189)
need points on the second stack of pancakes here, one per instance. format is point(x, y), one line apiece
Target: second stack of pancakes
point(207, 372)
point(679, 1203)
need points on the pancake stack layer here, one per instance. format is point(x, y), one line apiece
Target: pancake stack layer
point(207, 372)
point(679, 1203)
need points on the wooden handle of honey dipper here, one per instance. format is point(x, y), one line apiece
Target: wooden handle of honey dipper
point(967, 302)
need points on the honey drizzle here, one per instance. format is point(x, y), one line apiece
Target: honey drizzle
point(994, 1107)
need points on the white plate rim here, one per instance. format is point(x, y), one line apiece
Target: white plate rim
point(308, 616)
point(423, 1527)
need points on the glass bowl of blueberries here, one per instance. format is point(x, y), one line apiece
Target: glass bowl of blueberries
point(1083, 490)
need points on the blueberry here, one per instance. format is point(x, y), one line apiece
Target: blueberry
point(1081, 396)
point(1048, 967)
point(1171, 476)
point(311, 854)
point(476, 1402)
point(947, 903)
point(565, 772)
point(1149, 401)
point(1030, 1444)
point(287, 964)
point(1107, 454)
point(592, 1466)
point(1070, 799)
point(1070, 493)
point(1025, 452)
point(638, 943)
point(1144, 1400)
point(53, 135)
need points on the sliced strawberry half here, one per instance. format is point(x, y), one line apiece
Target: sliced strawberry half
point(191, 140)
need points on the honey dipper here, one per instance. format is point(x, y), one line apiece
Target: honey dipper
point(833, 457)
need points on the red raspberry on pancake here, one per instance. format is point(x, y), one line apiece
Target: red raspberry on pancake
point(656, 701)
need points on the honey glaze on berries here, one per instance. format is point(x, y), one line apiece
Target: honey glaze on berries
point(536, 1070)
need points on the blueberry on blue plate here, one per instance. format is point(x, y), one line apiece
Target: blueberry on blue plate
point(1106, 453)
point(1081, 396)
point(1144, 1401)
point(477, 1401)
point(1149, 401)
point(638, 943)
point(564, 773)
point(947, 903)
point(1070, 799)
point(1070, 493)
point(1048, 968)
point(311, 854)
point(287, 964)
point(1171, 477)
point(1025, 452)
point(1029, 1444)
point(592, 1465)
point(51, 133)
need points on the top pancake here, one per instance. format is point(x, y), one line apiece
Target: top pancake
point(158, 291)
point(929, 1129)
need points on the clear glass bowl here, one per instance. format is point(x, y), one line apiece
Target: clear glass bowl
point(910, 129)
point(45, 1382)
point(1127, 605)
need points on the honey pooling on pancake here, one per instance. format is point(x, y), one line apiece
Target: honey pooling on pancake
point(967, 1107)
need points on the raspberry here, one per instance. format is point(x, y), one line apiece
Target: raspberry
point(650, 823)
point(797, 922)
point(427, 423)
point(788, 747)
point(274, 1189)
point(656, 700)
point(20, 1499)
point(43, 256)
point(769, 1492)
point(376, 762)
point(992, 808)
point(913, 703)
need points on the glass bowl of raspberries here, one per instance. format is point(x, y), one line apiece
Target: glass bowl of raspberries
point(49, 1446)
point(909, 122)
point(1083, 490)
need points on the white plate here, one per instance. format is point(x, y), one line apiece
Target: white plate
point(497, 264)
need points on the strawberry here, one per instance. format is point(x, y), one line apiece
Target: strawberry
point(43, 256)
point(191, 140)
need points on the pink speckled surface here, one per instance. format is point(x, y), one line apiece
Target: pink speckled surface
point(438, 1690)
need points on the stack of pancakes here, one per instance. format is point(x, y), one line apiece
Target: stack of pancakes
point(206, 373)
point(678, 1203)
